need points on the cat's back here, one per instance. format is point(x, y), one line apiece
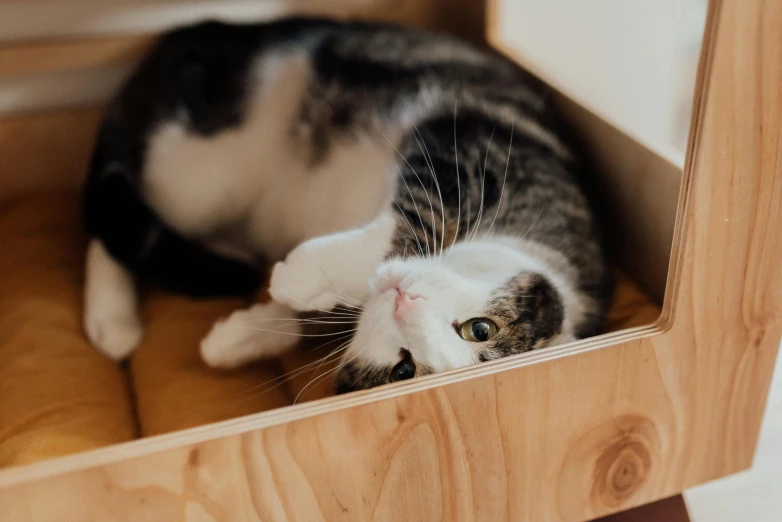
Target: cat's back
point(263, 135)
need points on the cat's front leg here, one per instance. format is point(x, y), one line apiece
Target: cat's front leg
point(333, 270)
point(261, 331)
point(111, 318)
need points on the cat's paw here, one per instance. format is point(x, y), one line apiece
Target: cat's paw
point(227, 346)
point(247, 335)
point(302, 281)
point(115, 336)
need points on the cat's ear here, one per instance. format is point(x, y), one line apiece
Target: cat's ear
point(541, 305)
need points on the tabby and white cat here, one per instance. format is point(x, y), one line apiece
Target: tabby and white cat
point(418, 178)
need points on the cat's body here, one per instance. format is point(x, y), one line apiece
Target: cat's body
point(433, 176)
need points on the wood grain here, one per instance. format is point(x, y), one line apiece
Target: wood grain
point(638, 191)
point(570, 438)
point(48, 57)
point(48, 150)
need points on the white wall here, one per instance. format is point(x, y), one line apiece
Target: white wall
point(756, 494)
point(632, 62)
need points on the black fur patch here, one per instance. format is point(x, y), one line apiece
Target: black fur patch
point(353, 376)
point(199, 75)
point(530, 311)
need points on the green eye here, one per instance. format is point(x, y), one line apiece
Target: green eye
point(478, 330)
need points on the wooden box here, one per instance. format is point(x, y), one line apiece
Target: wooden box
point(567, 433)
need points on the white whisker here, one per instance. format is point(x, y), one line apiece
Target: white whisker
point(504, 179)
point(431, 208)
point(301, 335)
point(326, 374)
point(344, 346)
point(420, 220)
point(458, 182)
point(430, 163)
point(311, 307)
point(532, 225)
point(412, 230)
point(298, 371)
point(483, 185)
point(344, 300)
point(300, 321)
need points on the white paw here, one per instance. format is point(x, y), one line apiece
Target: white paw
point(227, 346)
point(245, 336)
point(301, 282)
point(114, 336)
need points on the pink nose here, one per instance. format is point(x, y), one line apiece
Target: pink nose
point(404, 303)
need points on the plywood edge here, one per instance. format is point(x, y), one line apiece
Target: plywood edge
point(685, 195)
point(160, 443)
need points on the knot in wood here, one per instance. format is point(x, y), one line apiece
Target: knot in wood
point(609, 466)
point(621, 469)
point(624, 462)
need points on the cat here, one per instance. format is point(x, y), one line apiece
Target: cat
point(423, 186)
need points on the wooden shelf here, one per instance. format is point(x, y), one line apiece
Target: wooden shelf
point(569, 433)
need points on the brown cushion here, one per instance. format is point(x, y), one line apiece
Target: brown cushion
point(631, 307)
point(174, 388)
point(57, 395)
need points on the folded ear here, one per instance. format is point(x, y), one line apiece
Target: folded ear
point(540, 305)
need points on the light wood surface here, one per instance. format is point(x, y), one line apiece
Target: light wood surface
point(47, 19)
point(48, 57)
point(582, 433)
point(752, 496)
point(638, 190)
point(49, 149)
point(56, 54)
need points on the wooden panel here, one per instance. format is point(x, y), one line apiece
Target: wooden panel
point(46, 150)
point(638, 191)
point(31, 20)
point(568, 439)
point(60, 56)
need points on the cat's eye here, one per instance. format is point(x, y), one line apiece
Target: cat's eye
point(403, 370)
point(478, 330)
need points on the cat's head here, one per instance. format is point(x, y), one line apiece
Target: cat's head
point(477, 302)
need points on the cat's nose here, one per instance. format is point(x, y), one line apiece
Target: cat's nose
point(405, 303)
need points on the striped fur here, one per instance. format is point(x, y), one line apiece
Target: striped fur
point(353, 155)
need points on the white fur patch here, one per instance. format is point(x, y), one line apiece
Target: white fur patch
point(453, 288)
point(261, 331)
point(111, 319)
point(324, 271)
point(258, 177)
